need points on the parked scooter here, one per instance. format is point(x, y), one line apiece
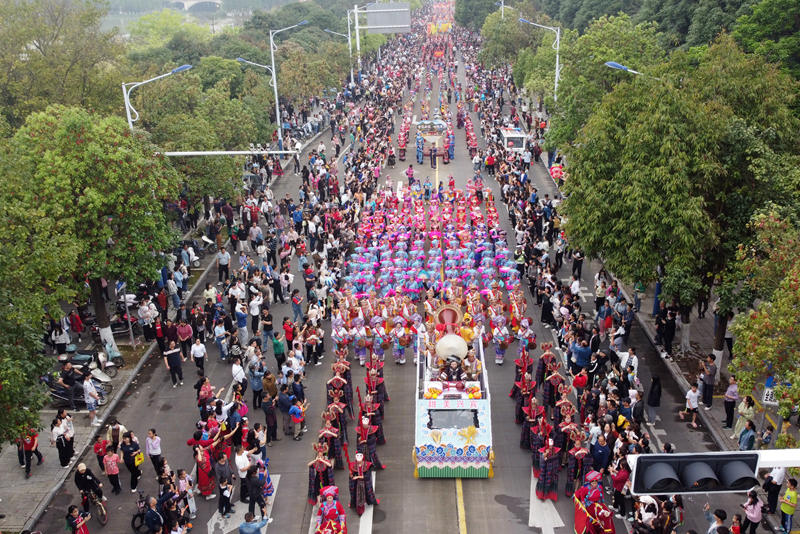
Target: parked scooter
point(210, 245)
point(97, 362)
point(119, 326)
point(60, 397)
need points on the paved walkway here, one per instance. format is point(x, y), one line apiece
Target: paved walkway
point(24, 500)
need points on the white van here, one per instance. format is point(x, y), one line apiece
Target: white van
point(513, 139)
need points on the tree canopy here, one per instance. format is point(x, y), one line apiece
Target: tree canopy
point(669, 172)
point(55, 52)
point(773, 31)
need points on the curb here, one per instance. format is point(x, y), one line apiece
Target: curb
point(59, 483)
point(44, 503)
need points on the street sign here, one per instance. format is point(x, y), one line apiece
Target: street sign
point(391, 17)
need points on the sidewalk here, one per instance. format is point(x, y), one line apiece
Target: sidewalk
point(23, 500)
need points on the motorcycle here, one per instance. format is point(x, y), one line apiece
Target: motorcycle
point(119, 327)
point(211, 246)
point(60, 397)
point(98, 363)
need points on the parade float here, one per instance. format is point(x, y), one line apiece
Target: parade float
point(453, 427)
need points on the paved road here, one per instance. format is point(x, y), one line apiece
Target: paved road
point(407, 504)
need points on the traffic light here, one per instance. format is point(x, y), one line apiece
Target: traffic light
point(714, 472)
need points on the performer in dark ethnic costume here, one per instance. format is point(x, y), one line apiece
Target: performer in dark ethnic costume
point(532, 412)
point(361, 490)
point(367, 442)
point(320, 473)
point(575, 459)
point(550, 462)
point(540, 433)
point(329, 435)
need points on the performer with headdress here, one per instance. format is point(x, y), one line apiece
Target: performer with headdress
point(361, 490)
point(329, 435)
point(592, 516)
point(339, 419)
point(401, 340)
point(501, 338)
point(551, 383)
point(522, 393)
point(575, 460)
point(544, 360)
point(320, 472)
point(540, 434)
point(550, 462)
point(366, 434)
point(523, 364)
point(360, 340)
point(472, 366)
point(340, 335)
point(331, 516)
point(532, 412)
point(373, 410)
point(418, 334)
point(380, 339)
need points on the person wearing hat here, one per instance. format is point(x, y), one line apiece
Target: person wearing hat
point(361, 491)
point(331, 514)
point(453, 371)
point(88, 483)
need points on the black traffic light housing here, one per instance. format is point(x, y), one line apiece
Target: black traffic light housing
point(658, 474)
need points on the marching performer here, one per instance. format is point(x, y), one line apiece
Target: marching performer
point(320, 473)
point(361, 490)
point(501, 338)
point(331, 515)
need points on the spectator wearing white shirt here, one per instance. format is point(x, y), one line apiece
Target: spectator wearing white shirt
point(199, 354)
point(239, 376)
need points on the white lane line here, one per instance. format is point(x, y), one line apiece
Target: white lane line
point(542, 514)
point(365, 521)
point(312, 527)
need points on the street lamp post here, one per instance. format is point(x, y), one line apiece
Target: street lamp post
point(556, 46)
point(349, 43)
point(128, 87)
point(273, 72)
point(619, 66)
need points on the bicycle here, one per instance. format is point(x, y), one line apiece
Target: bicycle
point(101, 512)
point(137, 521)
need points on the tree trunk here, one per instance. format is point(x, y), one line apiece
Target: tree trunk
point(206, 208)
point(101, 313)
point(686, 328)
point(719, 338)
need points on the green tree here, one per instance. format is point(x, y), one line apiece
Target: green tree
point(154, 30)
point(585, 79)
point(504, 37)
point(767, 343)
point(102, 186)
point(215, 176)
point(21, 363)
point(773, 31)
point(213, 69)
point(473, 13)
point(670, 176)
point(229, 118)
point(55, 52)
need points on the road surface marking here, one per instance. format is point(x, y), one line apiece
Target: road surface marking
point(231, 524)
point(312, 527)
point(365, 521)
point(542, 514)
point(462, 515)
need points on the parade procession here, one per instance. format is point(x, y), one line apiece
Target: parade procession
point(432, 278)
point(445, 290)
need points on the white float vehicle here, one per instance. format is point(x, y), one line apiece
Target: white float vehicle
point(513, 139)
